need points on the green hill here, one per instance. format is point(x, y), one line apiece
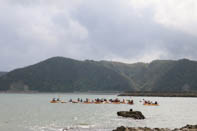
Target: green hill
point(2, 73)
point(181, 76)
point(159, 75)
point(59, 74)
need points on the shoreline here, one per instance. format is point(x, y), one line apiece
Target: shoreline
point(140, 94)
point(160, 94)
point(35, 92)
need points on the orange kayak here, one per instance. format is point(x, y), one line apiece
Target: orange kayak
point(54, 101)
point(150, 104)
point(116, 103)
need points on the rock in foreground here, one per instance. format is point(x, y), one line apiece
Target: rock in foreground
point(131, 114)
point(189, 128)
point(185, 128)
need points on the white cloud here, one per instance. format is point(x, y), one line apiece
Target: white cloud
point(125, 30)
point(174, 14)
point(31, 32)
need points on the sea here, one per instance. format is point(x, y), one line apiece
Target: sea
point(34, 112)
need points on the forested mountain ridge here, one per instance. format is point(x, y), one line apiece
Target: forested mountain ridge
point(2, 73)
point(59, 74)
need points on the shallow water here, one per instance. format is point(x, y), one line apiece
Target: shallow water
point(33, 112)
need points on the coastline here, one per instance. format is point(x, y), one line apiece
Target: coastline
point(37, 92)
point(146, 94)
point(160, 94)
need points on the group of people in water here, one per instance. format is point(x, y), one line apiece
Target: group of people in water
point(148, 102)
point(103, 101)
point(95, 101)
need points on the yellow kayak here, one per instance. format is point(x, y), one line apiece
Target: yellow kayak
point(116, 103)
point(57, 101)
point(54, 101)
point(146, 104)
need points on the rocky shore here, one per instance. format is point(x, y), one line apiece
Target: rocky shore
point(185, 128)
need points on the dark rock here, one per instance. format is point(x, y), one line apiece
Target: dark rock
point(190, 127)
point(121, 128)
point(131, 114)
point(185, 128)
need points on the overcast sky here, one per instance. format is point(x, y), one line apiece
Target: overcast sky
point(119, 30)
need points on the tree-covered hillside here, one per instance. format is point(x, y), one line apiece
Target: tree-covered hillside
point(2, 73)
point(159, 75)
point(59, 74)
point(182, 76)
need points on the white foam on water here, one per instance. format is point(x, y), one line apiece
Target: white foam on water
point(86, 126)
point(45, 128)
point(53, 127)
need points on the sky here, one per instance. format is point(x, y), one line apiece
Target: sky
point(117, 30)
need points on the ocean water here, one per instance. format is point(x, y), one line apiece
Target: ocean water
point(33, 112)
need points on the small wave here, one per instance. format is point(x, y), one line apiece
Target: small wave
point(45, 128)
point(83, 125)
point(80, 127)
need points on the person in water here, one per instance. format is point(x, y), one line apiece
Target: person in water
point(86, 100)
point(78, 99)
point(53, 99)
point(58, 99)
